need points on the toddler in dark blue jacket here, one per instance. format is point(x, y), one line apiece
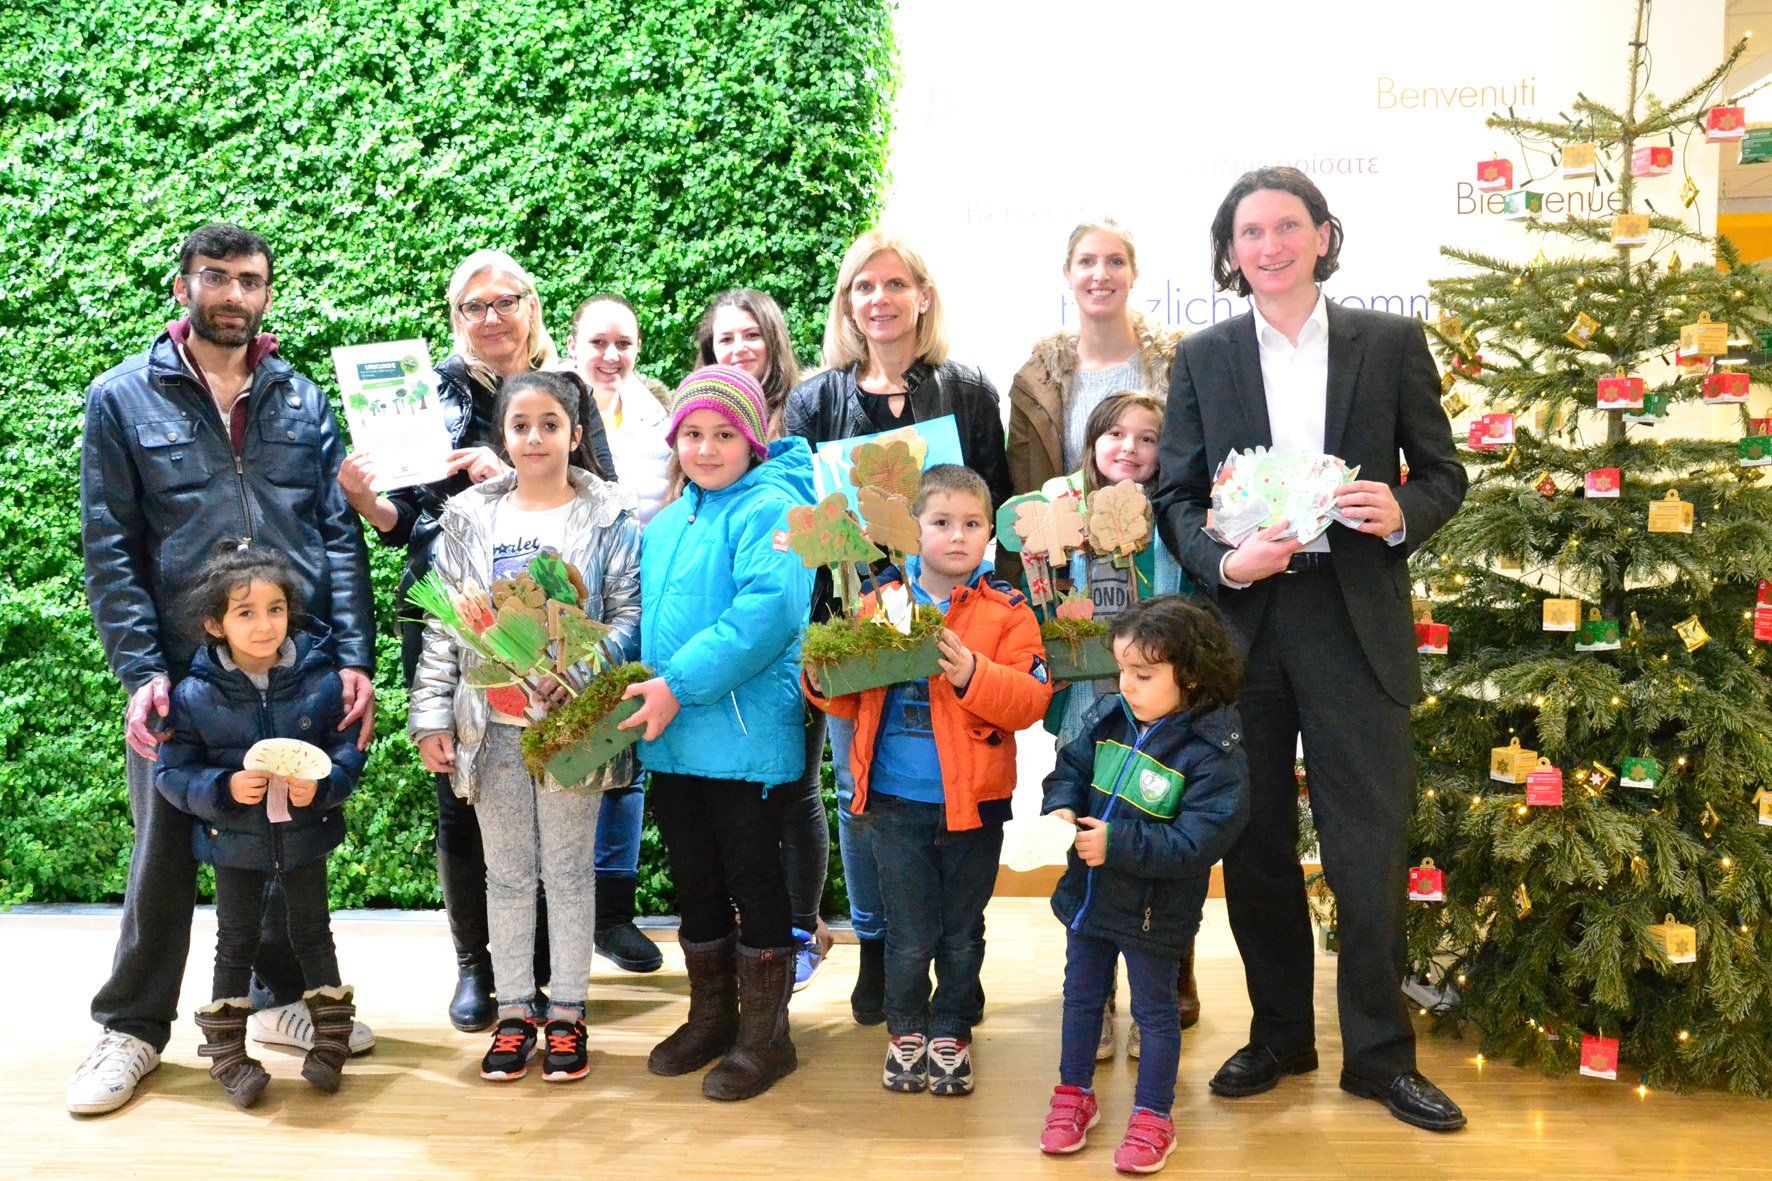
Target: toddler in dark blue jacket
point(262, 676)
point(1158, 786)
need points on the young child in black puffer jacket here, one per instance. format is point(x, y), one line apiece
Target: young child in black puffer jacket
point(1158, 787)
point(262, 675)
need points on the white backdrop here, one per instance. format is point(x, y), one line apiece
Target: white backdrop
point(1017, 120)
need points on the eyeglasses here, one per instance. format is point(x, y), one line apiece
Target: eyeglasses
point(503, 306)
point(216, 280)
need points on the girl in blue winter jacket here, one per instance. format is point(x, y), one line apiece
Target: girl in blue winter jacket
point(262, 676)
point(723, 602)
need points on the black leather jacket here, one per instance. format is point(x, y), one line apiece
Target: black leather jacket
point(829, 406)
point(160, 485)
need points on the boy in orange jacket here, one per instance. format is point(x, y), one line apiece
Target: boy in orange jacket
point(934, 764)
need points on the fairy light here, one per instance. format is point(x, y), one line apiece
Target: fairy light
point(1432, 700)
point(1642, 1091)
point(1617, 700)
point(1521, 810)
point(1685, 1035)
point(1538, 700)
point(1727, 862)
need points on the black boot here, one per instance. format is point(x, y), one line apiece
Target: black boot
point(462, 876)
point(764, 1052)
point(713, 1010)
point(616, 936)
point(333, 1011)
point(867, 1003)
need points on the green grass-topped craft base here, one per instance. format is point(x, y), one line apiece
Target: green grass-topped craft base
point(581, 735)
point(849, 655)
point(1078, 650)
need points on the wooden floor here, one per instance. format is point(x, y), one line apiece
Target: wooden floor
point(415, 1108)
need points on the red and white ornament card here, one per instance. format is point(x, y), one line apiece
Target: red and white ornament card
point(1655, 160)
point(1599, 1056)
point(1432, 639)
point(1544, 786)
point(1620, 392)
point(1427, 883)
point(1494, 176)
point(1604, 483)
point(1726, 389)
point(1722, 124)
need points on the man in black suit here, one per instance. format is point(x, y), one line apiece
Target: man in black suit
point(1330, 643)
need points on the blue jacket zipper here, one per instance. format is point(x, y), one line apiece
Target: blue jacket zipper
point(264, 731)
point(1107, 814)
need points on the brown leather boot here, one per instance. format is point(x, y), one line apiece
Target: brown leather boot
point(1189, 1006)
point(332, 1011)
point(224, 1042)
point(764, 1051)
point(713, 1010)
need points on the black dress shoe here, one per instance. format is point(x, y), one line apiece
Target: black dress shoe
point(473, 1009)
point(1255, 1069)
point(1411, 1098)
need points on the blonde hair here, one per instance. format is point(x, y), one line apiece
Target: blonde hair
point(1106, 225)
point(542, 353)
point(843, 342)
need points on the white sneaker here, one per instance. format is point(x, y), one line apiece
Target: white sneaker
point(107, 1079)
point(289, 1025)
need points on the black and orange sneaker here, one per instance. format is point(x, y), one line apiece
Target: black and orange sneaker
point(513, 1045)
point(566, 1057)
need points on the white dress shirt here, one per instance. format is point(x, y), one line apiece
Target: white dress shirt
point(1295, 381)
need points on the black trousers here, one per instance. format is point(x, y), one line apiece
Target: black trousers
point(723, 837)
point(154, 937)
point(1307, 675)
point(239, 909)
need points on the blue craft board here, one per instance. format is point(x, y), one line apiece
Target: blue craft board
point(831, 461)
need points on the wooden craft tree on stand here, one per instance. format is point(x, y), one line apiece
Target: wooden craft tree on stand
point(1044, 531)
point(1120, 527)
point(827, 534)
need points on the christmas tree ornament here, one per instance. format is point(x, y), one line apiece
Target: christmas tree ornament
point(1432, 639)
point(1674, 265)
point(1670, 514)
point(1450, 326)
point(1630, 229)
point(1763, 613)
point(1600, 776)
point(1763, 801)
point(1544, 786)
point(1675, 940)
point(1755, 451)
point(1759, 426)
point(1655, 409)
point(1704, 337)
point(1603, 483)
point(1546, 486)
point(1510, 564)
point(1688, 192)
point(1468, 364)
point(1582, 332)
point(1580, 159)
point(1494, 176)
point(1722, 124)
point(1491, 432)
point(1756, 146)
point(1655, 160)
point(1520, 204)
point(1708, 821)
point(1599, 1056)
point(1522, 901)
point(1427, 883)
point(1642, 772)
point(1511, 763)
point(1619, 392)
point(1596, 634)
point(1562, 615)
point(1448, 379)
point(1725, 389)
point(1692, 632)
point(1454, 404)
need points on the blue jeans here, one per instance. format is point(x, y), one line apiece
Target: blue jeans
point(618, 828)
point(1088, 983)
point(935, 884)
point(855, 841)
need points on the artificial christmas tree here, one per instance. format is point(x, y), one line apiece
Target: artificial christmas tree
point(1671, 543)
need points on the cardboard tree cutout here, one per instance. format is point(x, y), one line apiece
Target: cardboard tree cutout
point(1048, 530)
point(826, 534)
point(1120, 526)
point(890, 467)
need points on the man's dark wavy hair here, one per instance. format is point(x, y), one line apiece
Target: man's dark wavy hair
point(221, 239)
point(1280, 180)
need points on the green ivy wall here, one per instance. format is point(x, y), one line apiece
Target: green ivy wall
point(666, 149)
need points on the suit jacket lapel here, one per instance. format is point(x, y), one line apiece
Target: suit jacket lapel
point(1246, 376)
point(1346, 351)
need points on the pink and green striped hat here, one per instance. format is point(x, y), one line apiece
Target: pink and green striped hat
point(729, 391)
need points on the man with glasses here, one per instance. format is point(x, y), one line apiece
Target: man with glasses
point(206, 436)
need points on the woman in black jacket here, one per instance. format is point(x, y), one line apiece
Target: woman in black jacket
point(886, 366)
point(495, 318)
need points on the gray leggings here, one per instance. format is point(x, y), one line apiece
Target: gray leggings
point(533, 834)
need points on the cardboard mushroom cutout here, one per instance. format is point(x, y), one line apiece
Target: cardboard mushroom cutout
point(285, 759)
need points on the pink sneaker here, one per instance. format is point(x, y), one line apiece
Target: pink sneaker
point(1068, 1121)
point(1150, 1138)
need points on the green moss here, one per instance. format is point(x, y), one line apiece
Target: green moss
point(845, 639)
point(566, 725)
point(1074, 632)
